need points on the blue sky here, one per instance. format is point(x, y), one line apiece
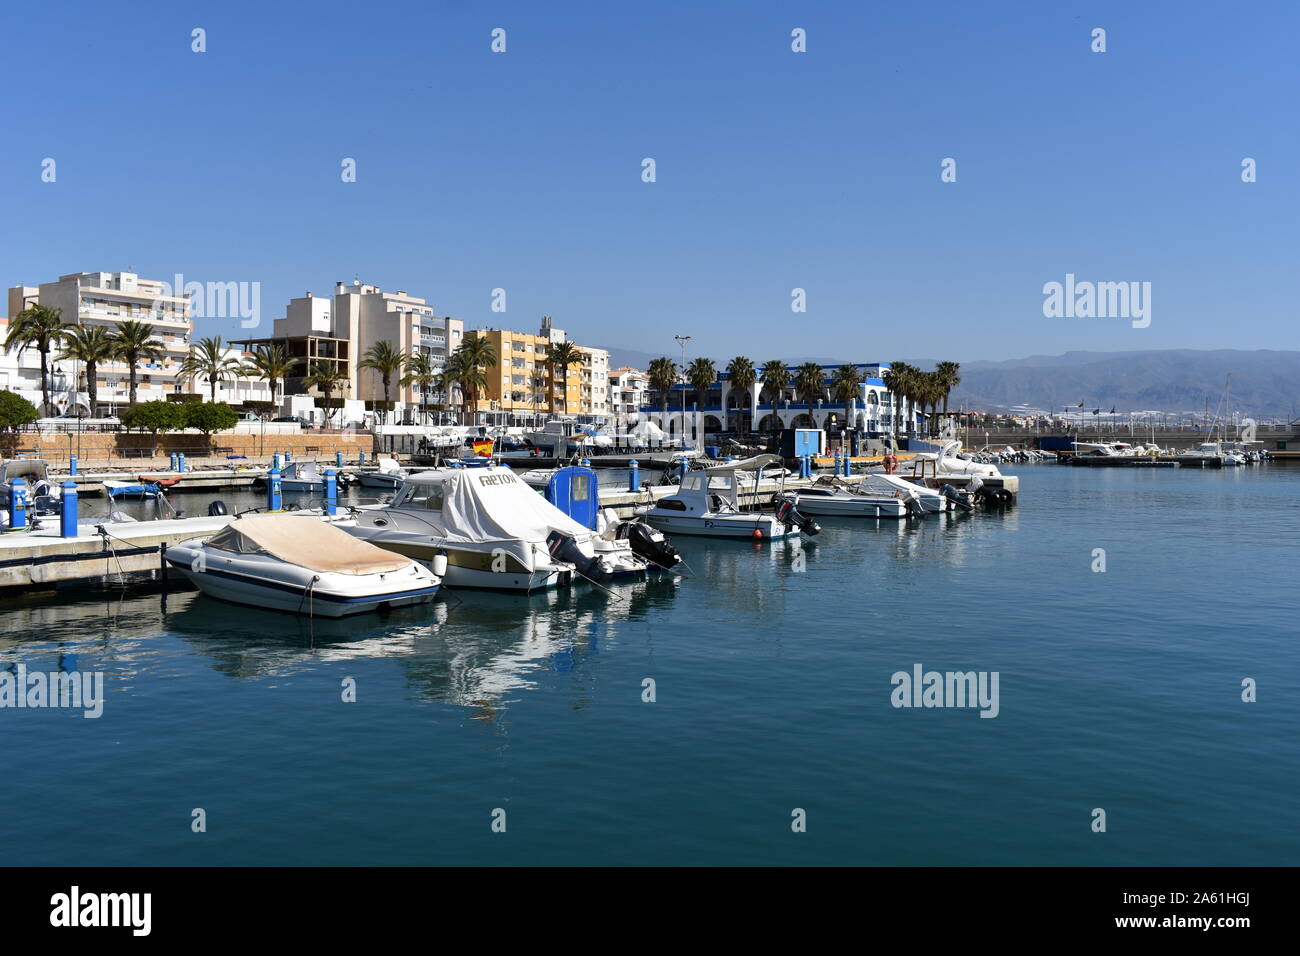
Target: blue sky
point(775, 170)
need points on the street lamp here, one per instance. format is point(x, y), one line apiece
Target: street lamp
point(682, 340)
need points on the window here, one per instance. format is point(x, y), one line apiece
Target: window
point(428, 497)
point(671, 504)
point(581, 491)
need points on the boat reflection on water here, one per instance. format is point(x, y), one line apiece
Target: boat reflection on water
point(476, 650)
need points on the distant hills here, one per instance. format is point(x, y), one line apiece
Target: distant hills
point(1265, 383)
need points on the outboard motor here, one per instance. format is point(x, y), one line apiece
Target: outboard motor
point(217, 509)
point(644, 544)
point(562, 547)
point(957, 499)
point(791, 518)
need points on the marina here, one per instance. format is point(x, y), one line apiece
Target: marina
point(767, 676)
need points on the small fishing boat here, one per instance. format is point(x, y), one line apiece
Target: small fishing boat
point(707, 503)
point(303, 565)
point(875, 496)
point(388, 476)
point(132, 489)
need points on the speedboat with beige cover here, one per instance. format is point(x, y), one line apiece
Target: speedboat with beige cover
point(301, 564)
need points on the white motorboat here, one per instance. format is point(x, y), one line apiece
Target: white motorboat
point(496, 531)
point(874, 496)
point(301, 564)
point(388, 476)
point(707, 503)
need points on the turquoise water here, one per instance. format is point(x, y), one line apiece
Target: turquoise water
point(1119, 690)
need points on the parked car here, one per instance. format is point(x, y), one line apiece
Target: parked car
point(298, 419)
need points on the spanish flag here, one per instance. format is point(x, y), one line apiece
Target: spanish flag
point(482, 446)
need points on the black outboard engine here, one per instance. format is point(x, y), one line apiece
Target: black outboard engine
point(217, 509)
point(645, 545)
point(563, 548)
point(957, 498)
point(788, 516)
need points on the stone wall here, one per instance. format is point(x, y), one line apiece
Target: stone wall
point(129, 451)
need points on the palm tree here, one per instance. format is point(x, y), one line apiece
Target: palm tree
point(208, 360)
point(272, 363)
point(386, 359)
point(846, 386)
point(775, 377)
point(950, 376)
point(741, 375)
point(562, 355)
point(37, 327)
point(134, 341)
point(462, 372)
point(899, 378)
point(90, 345)
point(810, 383)
point(421, 373)
point(327, 377)
point(701, 373)
point(662, 375)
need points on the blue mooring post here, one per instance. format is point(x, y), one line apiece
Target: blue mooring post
point(172, 466)
point(72, 464)
point(18, 504)
point(273, 490)
point(634, 475)
point(288, 456)
point(181, 461)
point(68, 513)
point(331, 492)
point(275, 461)
point(361, 459)
point(338, 459)
point(685, 465)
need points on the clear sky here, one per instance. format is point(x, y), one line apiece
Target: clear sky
point(775, 169)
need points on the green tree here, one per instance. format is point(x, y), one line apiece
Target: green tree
point(810, 383)
point(775, 377)
point(741, 376)
point(662, 375)
point(900, 379)
point(208, 361)
point(272, 363)
point(701, 373)
point(210, 417)
point(90, 345)
point(562, 356)
point(420, 372)
point(16, 411)
point(134, 342)
point(950, 376)
point(387, 360)
point(327, 378)
point(155, 417)
point(846, 385)
point(37, 327)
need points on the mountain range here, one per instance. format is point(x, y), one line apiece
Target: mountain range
point(1264, 383)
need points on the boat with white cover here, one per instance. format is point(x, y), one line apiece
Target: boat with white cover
point(388, 475)
point(300, 564)
point(707, 503)
point(495, 530)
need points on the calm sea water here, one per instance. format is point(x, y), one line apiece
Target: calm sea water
point(1119, 690)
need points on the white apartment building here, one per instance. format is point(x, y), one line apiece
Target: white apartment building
point(103, 298)
point(594, 382)
point(629, 389)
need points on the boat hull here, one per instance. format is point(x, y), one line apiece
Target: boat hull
point(263, 582)
point(721, 526)
point(851, 507)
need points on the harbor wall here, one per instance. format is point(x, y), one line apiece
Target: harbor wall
point(131, 451)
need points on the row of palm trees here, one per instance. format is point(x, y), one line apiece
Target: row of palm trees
point(923, 389)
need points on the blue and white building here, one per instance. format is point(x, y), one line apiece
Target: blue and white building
point(727, 409)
